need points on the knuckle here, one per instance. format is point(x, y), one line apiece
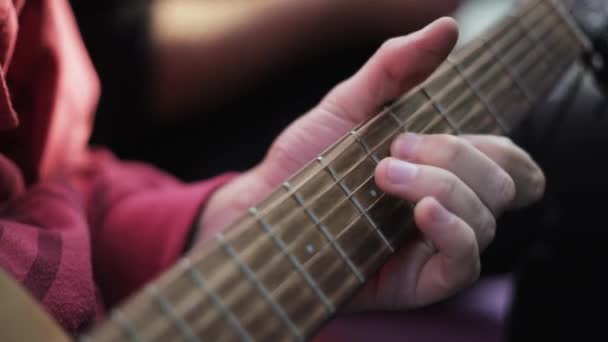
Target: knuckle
point(446, 187)
point(448, 148)
point(458, 148)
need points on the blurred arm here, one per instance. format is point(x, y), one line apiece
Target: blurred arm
point(203, 50)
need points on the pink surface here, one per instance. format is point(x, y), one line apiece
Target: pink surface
point(478, 314)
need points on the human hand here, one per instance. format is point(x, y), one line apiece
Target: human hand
point(460, 184)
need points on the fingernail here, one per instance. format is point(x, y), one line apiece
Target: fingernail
point(406, 145)
point(400, 172)
point(440, 214)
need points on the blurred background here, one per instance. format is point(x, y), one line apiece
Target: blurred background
point(250, 103)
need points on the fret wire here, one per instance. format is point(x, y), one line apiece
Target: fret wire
point(125, 325)
point(352, 266)
point(428, 127)
point(464, 96)
point(394, 116)
point(470, 116)
point(357, 204)
point(332, 240)
point(487, 78)
point(527, 31)
point(523, 11)
point(383, 194)
point(401, 124)
point(528, 34)
point(540, 42)
point(553, 57)
point(259, 286)
point(527, 67)
point(482, 98)
point(380, 197)
point(167, 309)
point(572, 26)
point(423, 131)
point(440, 110)
point(510, 72)
point(199, 280)
point(418, 112)
point(486, 43)
point(399, 120)
point(293, 260)
point(536, 41)
point(487, 99)
point(365, 146)
point(435, 122)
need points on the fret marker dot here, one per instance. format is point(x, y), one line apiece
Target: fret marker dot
point(373, 193)
point(310, 248)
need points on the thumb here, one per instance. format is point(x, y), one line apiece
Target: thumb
point(397, 66)
point(400, 64)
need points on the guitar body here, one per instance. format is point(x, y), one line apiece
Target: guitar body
point(21, 318)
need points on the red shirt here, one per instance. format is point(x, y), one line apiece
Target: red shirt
point(82, 242)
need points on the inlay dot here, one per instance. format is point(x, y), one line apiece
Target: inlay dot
point(373, 193)
point(310, 248)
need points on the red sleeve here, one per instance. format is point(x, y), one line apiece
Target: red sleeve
point(140, 221)
point(45, 246)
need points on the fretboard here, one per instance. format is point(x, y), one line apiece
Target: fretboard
point(284, 268)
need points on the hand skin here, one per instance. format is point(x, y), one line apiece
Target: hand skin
point(204, 51)
point(459, 184)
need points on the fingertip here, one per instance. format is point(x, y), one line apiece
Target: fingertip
point(447, 232)
point(381, 174)
point(449, 23)
point(429, 212)
point(440, 36)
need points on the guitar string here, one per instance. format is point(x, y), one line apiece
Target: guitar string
point(360, 216)
point(414, 116)
point(369, 233)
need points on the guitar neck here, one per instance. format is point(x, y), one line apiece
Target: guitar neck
point(283, 270)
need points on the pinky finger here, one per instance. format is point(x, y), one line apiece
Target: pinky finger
point(455, 264)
